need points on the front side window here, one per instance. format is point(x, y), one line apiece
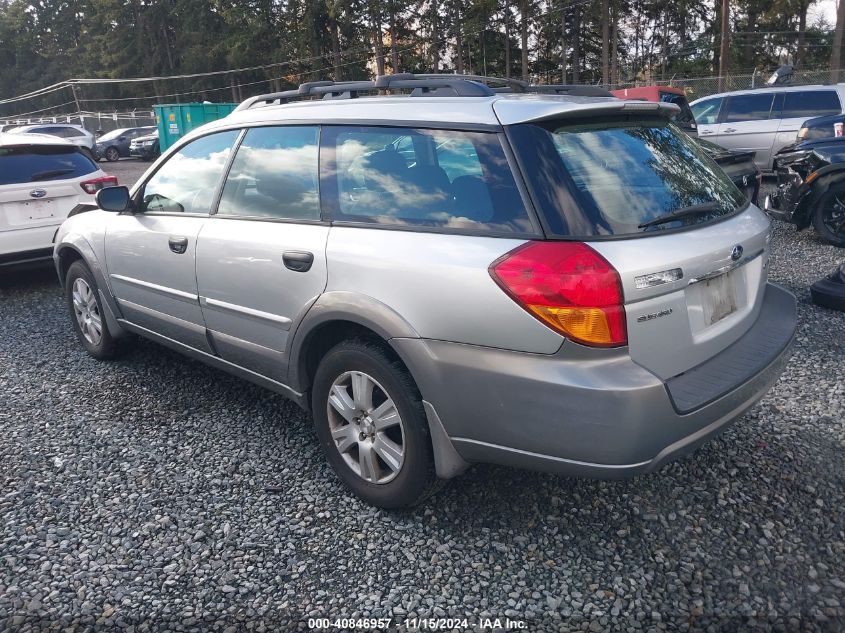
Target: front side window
point(274, 175)
point(621, 177)
point(707, 112)
point(811, 103)
point(187, 181)
point(751, 107)
point(426, 178)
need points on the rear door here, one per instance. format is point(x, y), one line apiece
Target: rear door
point(151, 254)
point(800, 105)
point(261, 259)
point(746, 124)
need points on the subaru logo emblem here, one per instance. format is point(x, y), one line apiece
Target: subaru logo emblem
point(736, 253)
point(37, 193)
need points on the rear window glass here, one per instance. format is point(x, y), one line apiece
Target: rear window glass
point(621, 177)
point(753, 107)
point(423, 178)
point(811, 103)
point(39, 164)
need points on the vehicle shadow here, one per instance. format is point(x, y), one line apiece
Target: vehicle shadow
point(16, 277)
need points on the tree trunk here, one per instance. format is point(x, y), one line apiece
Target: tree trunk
point(835, 54)
point(563, 42)
point(576, 46)
point(335, 35)
point(717, 18)
point(378, 40)
point(394, 47)
point(459, 45)
point(605, 42)
point(723, 47)
point(524, 33)
point(435, 39)
point(507, 39)
point(802, 35)
point(614, 46)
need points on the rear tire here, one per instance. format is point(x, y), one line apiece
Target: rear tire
point(829, 216)
point(369, 417)
point(86, 312)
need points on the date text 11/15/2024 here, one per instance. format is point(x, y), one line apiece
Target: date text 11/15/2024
point(417, 624)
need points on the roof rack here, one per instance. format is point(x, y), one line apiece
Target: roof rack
point(419, 85)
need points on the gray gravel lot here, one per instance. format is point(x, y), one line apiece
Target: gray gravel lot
point(134, 494)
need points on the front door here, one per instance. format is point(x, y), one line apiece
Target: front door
point(151, 254)
point(261, 258)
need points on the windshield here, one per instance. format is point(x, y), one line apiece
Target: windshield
point(613, 176)
point(108, 136)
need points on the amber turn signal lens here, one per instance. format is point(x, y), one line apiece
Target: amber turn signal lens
point(588, 325)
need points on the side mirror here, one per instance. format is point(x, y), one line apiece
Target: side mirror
point(114, 199)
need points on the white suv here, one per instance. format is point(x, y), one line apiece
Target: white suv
point(42, 178)
point(764, 120)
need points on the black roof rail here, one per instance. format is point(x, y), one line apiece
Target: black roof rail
point(433, 85)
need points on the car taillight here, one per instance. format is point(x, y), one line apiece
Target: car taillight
point(94, 185)
point(569, 287)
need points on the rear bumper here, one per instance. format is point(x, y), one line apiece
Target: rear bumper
point(594, 413)
point(27, 245)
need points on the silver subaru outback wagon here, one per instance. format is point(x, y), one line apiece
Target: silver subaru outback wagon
point(543, 277)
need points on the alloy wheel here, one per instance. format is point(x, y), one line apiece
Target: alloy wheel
point(366, 427)
point(87, 311)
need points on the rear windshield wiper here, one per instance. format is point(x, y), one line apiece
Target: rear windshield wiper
point(44, 175)
point(694, 209)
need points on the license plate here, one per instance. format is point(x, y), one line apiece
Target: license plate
point(718, 298)
point(38, 210)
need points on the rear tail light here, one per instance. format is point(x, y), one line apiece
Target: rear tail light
point(94, 185)
point(569, 287)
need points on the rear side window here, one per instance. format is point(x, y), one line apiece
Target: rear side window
point(274, 175)
point(751, 107)
point(39, 164)
point(424, 178)
point(810, 103)
point(616, 176)
point(707, 112)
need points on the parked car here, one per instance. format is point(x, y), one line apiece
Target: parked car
point(740, 167)
point(565, 283)
point(145, 147)
point(42, 178)
point(811, 187)
point(764, 120)
point(820, 127)
point(114, 145)
point(664, 94)
point(75, 134)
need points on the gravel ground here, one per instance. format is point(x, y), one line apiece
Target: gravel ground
point(158, 493)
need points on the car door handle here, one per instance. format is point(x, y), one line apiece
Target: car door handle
point(178, 244)
point(706, 132)
point(729, 130)
point(298, 261)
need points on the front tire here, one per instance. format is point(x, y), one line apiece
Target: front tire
point(829, 216)
point(112, 154)
point(371, 424)
point(86, 312)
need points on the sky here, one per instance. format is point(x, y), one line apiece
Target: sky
point(827, 8)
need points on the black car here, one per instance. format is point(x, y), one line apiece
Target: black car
point(115, 144)
point(738, 165)
point(811, 187)
point(820, 127)
point(145, 147)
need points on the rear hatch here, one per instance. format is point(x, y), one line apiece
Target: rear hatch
point(690, 252)
point(40, 184)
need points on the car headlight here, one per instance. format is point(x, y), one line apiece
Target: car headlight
point(802, 133)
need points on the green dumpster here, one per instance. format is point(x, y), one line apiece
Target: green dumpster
point(177, 119)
